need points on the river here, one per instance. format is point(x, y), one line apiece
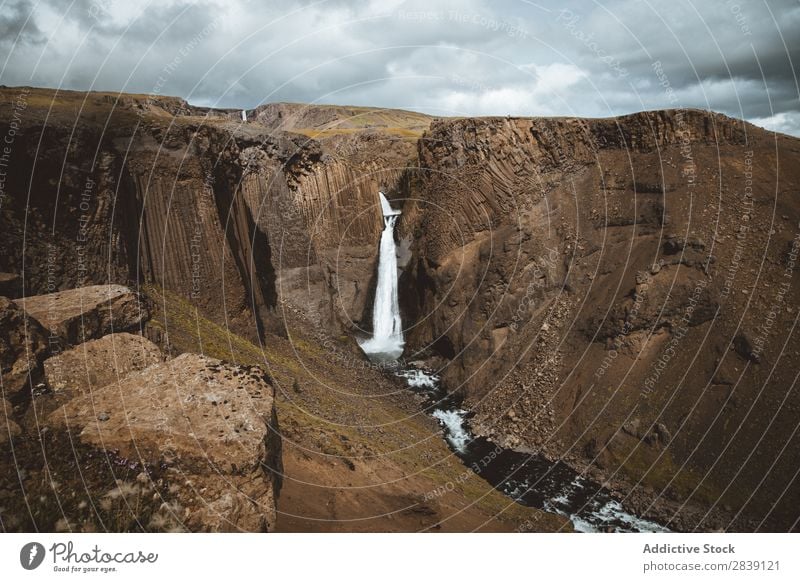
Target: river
point(528, 479)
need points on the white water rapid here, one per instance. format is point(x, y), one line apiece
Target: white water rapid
point(387, 332)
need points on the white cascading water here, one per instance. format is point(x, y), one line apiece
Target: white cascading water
point(387, 332)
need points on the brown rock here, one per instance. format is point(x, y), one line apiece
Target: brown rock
point(307, 195)
point(8, 428)
point(99, 362)
point(78, 315)
point(744, 347)
point(213, 424)
point(664, 302)
point(23, 345)
point(640, 302)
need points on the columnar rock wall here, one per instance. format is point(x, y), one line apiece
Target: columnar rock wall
point(150, 191)
point(598, 289)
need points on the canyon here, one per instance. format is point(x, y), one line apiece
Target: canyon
point(616, 294)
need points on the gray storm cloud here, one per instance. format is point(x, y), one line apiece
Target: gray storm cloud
point(447, 58)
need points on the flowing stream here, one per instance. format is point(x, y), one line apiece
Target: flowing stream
point(528, 479)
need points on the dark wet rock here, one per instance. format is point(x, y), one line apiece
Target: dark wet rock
point(10, 285)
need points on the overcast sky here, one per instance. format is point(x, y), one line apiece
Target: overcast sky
point(473, 57)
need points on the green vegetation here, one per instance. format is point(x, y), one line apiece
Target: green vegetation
point(657, 474)
point(300, 363)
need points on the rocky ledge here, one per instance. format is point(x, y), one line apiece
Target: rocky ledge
point(110, 436)
point(211, 428)
point(77, 315)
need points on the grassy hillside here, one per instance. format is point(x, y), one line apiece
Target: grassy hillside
point(358, 454)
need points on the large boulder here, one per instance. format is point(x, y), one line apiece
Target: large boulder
point(99, 362)
point(23, 346)
point(212, 425)
point(78, 315)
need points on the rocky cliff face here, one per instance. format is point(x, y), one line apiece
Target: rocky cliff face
point(615, 292)
point(325, 231)
point(103, 188)
point(620, 292)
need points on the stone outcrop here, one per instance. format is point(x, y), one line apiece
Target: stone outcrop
point(98, 363)
point(78, 315)
point(23, 346)
point(211, 425)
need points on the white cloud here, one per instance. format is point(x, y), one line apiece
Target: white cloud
point(780, 122)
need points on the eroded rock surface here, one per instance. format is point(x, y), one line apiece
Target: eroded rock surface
point(85, 313)
point(98, 363)
point(578, 275)
point(211, 425)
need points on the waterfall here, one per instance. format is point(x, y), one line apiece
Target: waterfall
point(387, 332)
point(386, 313)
